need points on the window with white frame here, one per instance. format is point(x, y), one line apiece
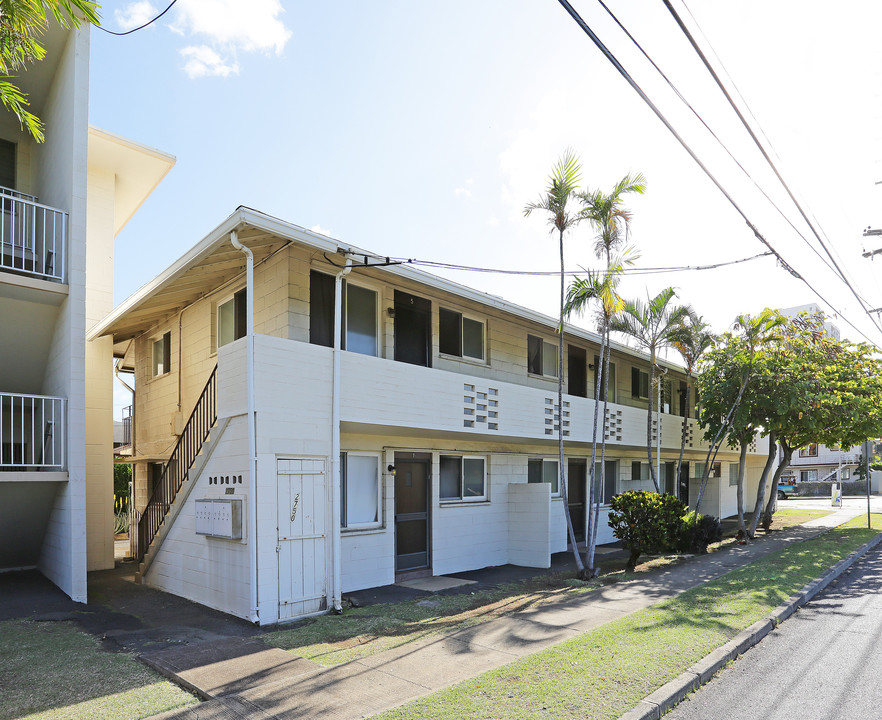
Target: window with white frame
point(809, 451)
point(640, 470)
point(232, 318)
point(541, 357)
point(734, 469)
point(459, 335)
point(639, 383)
point(716, 470)
point(808, 476)
point(360, 491)
point(162, 355)
point(360, 331)
point(544, 470)
point(462, 478)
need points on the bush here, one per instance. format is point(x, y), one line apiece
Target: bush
point(646, 522)
point(697, 531)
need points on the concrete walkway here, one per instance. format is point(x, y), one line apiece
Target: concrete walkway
point(245, 679)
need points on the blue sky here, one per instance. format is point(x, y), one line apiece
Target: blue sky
point(422, 129)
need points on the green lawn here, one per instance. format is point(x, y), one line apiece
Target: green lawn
point(604, 673)
point(51, 671)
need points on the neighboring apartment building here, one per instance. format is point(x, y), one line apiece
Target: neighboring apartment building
point(816, 462)
point(427, 445)
point(61, 204)
point(830, 329)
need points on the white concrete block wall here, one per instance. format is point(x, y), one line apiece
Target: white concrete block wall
point(529, 530)
point(207, 570)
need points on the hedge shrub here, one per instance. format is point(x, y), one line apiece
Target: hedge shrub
point(646, 522)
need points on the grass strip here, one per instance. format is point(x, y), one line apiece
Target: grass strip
point(605, 672)
point(52, 671)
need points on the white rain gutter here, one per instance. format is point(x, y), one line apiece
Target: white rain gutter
point(335, 437)
point(252, 422)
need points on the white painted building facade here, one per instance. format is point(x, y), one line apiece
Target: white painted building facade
point(447, 425)
point(61, 204)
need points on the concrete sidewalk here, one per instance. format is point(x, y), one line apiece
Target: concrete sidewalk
point(246, 679)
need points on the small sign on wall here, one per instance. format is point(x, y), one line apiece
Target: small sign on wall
point(219, 517)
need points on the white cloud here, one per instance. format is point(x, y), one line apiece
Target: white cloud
point(202, 61)
point(319, 229)
point(462, 192)
point(253, 26)
point(135, 14)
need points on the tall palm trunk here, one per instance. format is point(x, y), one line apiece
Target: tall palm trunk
point(649, 422)
point(592, 522)
point(761, 490)
point(683, 437)
point(596, 509)
point(580, 567)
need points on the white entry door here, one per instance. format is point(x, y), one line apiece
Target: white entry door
point(301, 548)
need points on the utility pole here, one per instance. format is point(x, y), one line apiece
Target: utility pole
point(872, 232)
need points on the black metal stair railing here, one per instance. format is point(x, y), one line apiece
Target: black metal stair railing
point(175, 472)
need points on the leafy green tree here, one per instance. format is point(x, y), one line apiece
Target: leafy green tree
point(558, 202)
point(651, 324)
point(22, 24)
point(692, 339)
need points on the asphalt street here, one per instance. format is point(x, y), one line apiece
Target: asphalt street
point(821, 664)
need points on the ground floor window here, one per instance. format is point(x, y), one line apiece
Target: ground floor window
point(462, 478)
point(544, 470)
point(808, 475)
point(360, 490)
point(734, 469)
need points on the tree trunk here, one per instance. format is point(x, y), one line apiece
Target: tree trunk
point(772, 505)
point(580, 567)
point(683, 438)
point(596, 510)
point(649, 423)
point(742, 459)
point(591, 531)
point(761, 490)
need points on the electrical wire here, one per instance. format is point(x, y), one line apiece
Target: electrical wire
point(636, 87)
point(771, 164)
point(140, 27)
point(707, 127)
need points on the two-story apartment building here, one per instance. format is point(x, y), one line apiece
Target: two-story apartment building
point(817, 462)
point(61, 204)
point(425, 444)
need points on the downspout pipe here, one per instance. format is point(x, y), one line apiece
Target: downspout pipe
point(252, 423)
point(335, 438)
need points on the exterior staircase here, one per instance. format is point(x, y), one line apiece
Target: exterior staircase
point(192, 451)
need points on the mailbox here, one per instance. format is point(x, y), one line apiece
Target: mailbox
point(219, 517)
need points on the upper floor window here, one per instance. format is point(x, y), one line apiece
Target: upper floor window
point(460, 336)
point(639, 383)
point(544, 470)
point(7, 164)
point(606, 387)
point(359, 332)
point(541, 357)
point(462, 478)
point(162, 355)
point(809, 451)
point(232, 318)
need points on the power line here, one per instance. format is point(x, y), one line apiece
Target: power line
point(720, 142)
point(762, 149)
point(140, 27)
point(636, 87)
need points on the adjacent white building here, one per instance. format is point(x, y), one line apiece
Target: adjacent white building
point(61, 204)
point(426, 444)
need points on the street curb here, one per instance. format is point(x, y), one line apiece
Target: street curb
point(655, 705)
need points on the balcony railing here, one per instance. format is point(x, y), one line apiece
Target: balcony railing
point(32, 430)
point(126, 427)
point(32, 236)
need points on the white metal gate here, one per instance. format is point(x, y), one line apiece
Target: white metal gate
point(301, 547)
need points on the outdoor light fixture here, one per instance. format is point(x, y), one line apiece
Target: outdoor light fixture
point(391, 470)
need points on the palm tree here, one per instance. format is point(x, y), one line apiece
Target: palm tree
point(691, 340)
point(600, 287)
point(557, 202)
point(607, 216)
point(651, 324)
